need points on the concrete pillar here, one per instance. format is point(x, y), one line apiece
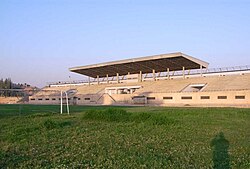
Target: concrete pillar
point(128, 73)
point(89, 80)
point(153, 74)
point(201, 69)
point(140, 77)
point(107, 78)
point(168, 73)
point(183, 72)
point(98, 79)
point(117, 77)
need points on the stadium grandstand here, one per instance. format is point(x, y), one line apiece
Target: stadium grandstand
point(174, 79)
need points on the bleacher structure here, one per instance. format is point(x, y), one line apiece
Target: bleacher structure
point(174, 79)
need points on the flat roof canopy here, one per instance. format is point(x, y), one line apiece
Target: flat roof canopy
point(159, 63)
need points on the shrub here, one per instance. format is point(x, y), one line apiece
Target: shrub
point(120, 115)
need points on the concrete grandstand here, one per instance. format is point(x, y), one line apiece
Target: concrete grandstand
point(174, 79)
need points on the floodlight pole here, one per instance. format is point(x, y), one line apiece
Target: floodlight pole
point(61, 103)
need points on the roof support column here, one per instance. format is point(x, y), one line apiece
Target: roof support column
point(183, 72)
point(107, 78)
point(140, 77)
point(98, 79)
point(117, 77)
point(89, 80)
point(168, 73)
point(201, 69)
point(153, 74)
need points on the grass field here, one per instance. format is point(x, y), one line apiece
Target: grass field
point(34, 136)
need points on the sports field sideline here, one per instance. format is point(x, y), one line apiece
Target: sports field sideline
point(33, 136)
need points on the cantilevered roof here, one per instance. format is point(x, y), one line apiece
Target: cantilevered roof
point(160, 63)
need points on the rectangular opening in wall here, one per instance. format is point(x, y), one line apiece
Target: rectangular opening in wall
point(40, 99)
point(186, 97)
point(87, 98)
point(53, 98)
point(139, 99)
point(150, 98)
point(205, 97)
point(47, 99)
point(240, 97)
point(79, 98)
point(167, 98)
point(32, 99)
point(222, 97)
point(194, 87)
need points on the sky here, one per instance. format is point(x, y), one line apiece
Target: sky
point(41, 39)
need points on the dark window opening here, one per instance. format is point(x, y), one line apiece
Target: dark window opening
point(239, 97)
point(222, 97)
point(87, 98)
point(47, 99)
point(32, 99)
point(205, 97)
point(168, 98)
point(186, 97)
point(151, 98)
point(53, 98)
point(40, 99)
point(79, 98)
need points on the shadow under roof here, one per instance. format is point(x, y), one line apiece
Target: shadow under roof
point(160, 63)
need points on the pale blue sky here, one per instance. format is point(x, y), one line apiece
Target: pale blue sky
point(41, 39)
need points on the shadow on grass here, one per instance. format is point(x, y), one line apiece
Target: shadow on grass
point(220, 147)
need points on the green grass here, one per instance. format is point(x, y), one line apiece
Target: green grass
point(33, 136)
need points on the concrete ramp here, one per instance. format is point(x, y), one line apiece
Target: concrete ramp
point(106, 99)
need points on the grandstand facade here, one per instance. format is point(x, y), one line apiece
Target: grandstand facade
point(174, 79)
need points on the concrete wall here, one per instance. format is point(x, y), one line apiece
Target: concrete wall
point(209, 98)
point(159, 93)
point(44, 100)
point(161, 99)
point(9, 100)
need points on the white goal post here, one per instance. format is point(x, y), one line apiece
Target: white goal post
point(67, 102)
